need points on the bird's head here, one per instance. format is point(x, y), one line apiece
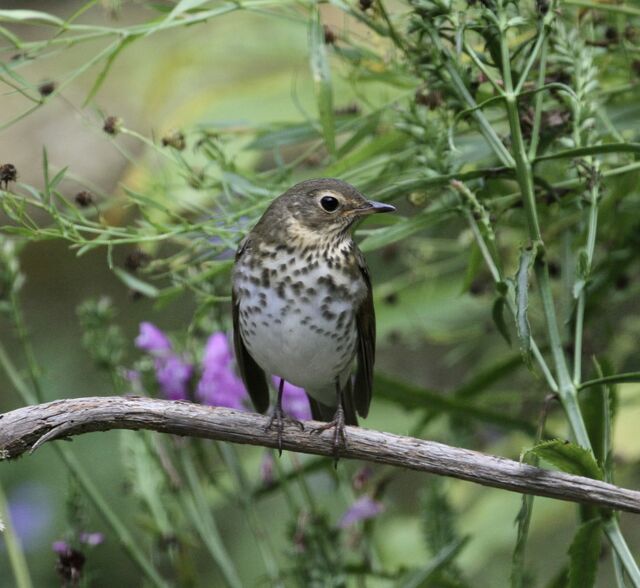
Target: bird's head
point(320, 209)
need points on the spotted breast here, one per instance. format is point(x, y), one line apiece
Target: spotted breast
point(296, 312)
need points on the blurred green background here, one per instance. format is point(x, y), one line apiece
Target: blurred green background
point(246, 69)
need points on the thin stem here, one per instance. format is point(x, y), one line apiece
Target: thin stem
point(488, 255)
point(124, 537)
point(483, 68)
point(23, 337)
point(485, 126)
point(129, 544)
point(612, 529)
point(523, 166)
point(566, 389)
point(25, 393)
point(230, 456)
point(619, 8)
point(590, 250)
point(538, 104)
point(199, 509)
point(17, 560)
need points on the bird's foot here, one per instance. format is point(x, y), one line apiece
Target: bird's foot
point(339, 434)
point(278, 420)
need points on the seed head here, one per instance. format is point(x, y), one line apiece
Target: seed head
point(8, 173)
point(112, 125)
point(174, 139)
point(329, 35)
point(83, 199)
point(136, 259)
point(47, 88)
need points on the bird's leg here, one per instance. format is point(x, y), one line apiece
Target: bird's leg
point(279, 417)
point(337, 424)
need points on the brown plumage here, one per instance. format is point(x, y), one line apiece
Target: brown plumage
point(302, 303)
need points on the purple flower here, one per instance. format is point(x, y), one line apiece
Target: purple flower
point(219, 386)
point(91, 539)
point(30, 513)
point(361, 478)
point(173, 375)
point(217, 354)
point(61, 547)
point(294, 401)
point(152, 340)
point(362, 509)
point(266, 468)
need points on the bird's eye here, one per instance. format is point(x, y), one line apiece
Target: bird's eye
point(329, 203)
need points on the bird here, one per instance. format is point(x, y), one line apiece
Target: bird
point(302, 305)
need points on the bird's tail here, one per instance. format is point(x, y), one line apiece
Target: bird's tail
point(325, 413)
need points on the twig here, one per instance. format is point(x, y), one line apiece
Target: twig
point(28, 428)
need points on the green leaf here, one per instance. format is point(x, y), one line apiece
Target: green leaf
point(29, 15)
point(438, 516)
point(527, 257)
point(440, 561)
point(593, 406)
point(322, 80)
point(184, 6)
point(379, 146)
point(480, 381)
point(412, 398)
point(497, 313)
point(473, 267)
point(592, 150)
point(568, 457)
point(135, 283)
point(584, 554)
point(519, 576)
point(402, 228)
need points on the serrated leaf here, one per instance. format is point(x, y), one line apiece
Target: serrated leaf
point(593, 407)
point(322, 80)
point(568, 457)
point(438, 517)
point(527, 257)
point(584, 554)
point(497, 313)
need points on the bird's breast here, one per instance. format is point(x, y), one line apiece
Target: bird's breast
point(297, 312)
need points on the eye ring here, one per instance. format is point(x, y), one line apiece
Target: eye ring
point(329, 203)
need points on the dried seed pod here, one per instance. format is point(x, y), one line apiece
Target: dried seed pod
point(112, 125)
point(83, 199)
point(8, 173)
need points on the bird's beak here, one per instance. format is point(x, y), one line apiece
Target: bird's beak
point(373, 207)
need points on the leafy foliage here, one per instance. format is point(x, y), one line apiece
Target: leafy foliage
point(506, 133)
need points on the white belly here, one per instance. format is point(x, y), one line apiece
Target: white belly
point(302, 328)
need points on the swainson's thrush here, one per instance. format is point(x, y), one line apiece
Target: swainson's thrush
point(302, 304)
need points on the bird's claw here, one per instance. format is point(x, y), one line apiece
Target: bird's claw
point(339, 434)
point(277, 420)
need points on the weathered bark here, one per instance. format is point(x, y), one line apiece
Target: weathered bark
point(27, 428)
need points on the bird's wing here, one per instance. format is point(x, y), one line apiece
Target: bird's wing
point(366, 325)
point(252, 374)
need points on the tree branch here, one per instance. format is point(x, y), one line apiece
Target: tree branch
point(27, 428)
